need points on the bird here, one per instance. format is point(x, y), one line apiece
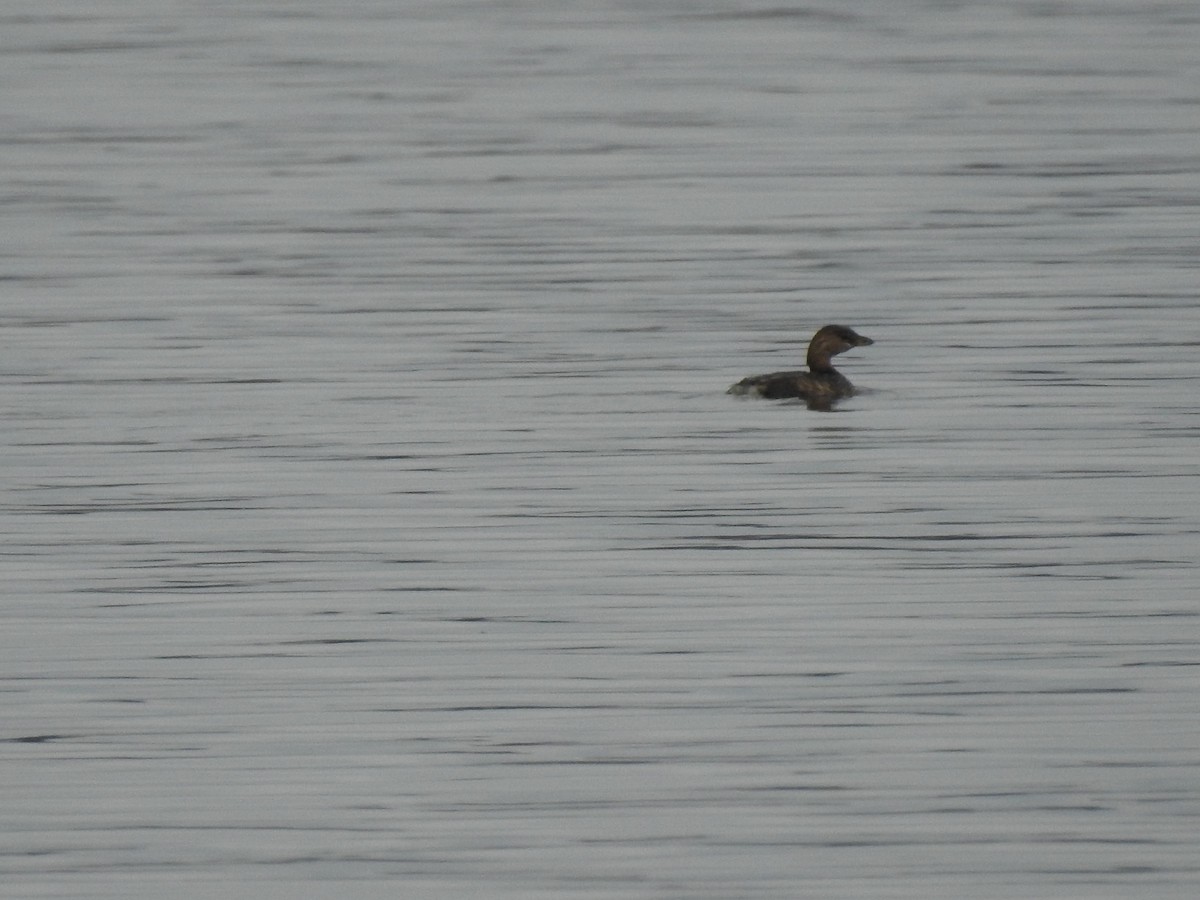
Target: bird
point(822, 385)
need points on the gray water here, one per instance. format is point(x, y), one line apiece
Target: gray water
point(376, 523)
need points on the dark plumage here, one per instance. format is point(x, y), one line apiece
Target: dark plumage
point(822, 385)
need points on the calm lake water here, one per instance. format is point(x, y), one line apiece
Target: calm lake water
point(376, 523)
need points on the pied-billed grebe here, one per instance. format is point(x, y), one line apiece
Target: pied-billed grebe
point(822, 385)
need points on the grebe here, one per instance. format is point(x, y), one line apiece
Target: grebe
point(822, 385)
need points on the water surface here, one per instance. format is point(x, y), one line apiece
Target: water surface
point(375, 518)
